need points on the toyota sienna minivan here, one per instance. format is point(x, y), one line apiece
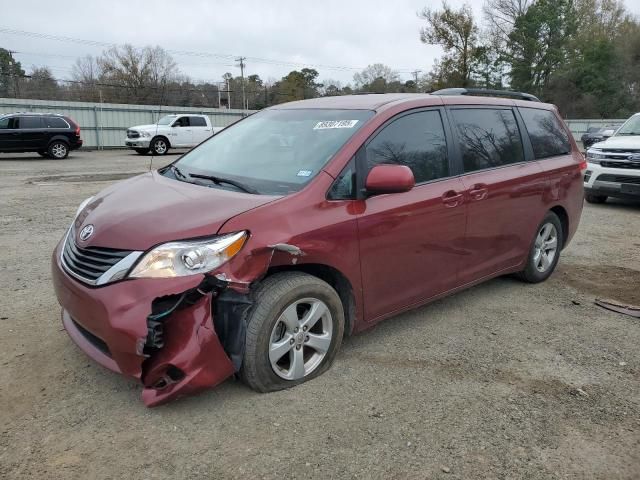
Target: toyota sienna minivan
point(257, 251)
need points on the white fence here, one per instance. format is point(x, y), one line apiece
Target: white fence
point(104, 125)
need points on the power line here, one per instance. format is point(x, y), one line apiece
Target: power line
point(96, 43)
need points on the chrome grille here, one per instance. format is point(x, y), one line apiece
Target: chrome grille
point(88, 264)
point(606, 177)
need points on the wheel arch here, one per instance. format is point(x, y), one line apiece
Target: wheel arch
point(155, 137)
point(58, 138)
point(562, 214)
point(333, 277)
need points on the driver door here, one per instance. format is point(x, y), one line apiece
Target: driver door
point(181, 133)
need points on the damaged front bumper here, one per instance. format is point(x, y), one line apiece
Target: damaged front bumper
point(111, 324)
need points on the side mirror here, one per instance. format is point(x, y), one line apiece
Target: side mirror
point(389, 179)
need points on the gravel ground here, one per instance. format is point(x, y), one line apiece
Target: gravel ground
point(504, 380)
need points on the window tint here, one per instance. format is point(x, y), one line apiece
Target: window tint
point(344, 188)
point(416, 140)
point(30, 122)
point(56, 122)
point(488, 138)
point(547, 134)
point(182, 122)
point(197, 122)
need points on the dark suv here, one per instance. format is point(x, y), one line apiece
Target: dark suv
point(50, 135)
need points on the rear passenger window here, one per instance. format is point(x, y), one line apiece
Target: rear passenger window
point(488, 138)
point(56, 122)
point(197, 122)
point(548, 136)
point(30, 122)
point(416, 140)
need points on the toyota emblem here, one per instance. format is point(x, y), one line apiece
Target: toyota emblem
point(86, 232)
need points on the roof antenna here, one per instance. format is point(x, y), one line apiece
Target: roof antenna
point(164, 77)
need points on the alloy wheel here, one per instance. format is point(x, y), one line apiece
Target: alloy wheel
point(59, 150)
point(546, 247)
point(300, 339)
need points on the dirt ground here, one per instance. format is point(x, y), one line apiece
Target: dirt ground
point(505, 380)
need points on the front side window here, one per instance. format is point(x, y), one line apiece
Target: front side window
point(4, 122)
point(416, 140)
point(197, 122)
point(29, 122)
point(488, 138)
point(182, 122)
point(548, 137)
point(274, 152)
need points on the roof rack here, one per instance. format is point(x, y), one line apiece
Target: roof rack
point(485, 92)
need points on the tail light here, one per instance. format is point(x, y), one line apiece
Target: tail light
point(582, 165)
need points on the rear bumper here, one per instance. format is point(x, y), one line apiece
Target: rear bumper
point(109, 324)
point(76, 145)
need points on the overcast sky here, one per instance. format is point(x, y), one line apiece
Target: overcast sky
point(274, 35)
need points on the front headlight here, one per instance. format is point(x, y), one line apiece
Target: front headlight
point(179, 259)
point(145, 134)
point(595, 155)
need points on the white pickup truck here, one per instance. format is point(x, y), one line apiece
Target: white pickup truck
point(171, 131)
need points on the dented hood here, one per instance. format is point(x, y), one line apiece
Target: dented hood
point(149, 209)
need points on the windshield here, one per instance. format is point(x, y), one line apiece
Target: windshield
point(630, 127)
point(166, 120)
point(274, 152)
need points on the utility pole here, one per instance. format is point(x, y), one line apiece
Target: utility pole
point(242, 65)
point(415, 75)
point(16, 84)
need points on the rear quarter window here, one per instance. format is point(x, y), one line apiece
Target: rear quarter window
point(56, 122)
point(547, 134)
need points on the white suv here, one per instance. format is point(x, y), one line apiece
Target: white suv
point(613, 166)
point(171, 131)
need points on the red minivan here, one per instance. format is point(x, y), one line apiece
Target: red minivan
point(255, 252)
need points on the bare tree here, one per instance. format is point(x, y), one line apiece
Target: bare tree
point(374, 72)
point(141, 70)
point(457, 33)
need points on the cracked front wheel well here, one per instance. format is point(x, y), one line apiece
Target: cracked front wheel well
point(333, 277)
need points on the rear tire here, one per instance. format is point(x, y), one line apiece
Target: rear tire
point(591, 198)
point(159, 146)
point(142, 151)
point(283, 346)
point(545, 250)
point(58, 150)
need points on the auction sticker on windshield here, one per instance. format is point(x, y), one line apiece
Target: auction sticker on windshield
point(335, 124)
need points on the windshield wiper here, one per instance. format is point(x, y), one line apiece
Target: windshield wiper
point(220, 180)
point(178, 172)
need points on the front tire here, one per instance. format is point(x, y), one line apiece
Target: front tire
point(159, 146)
point(58, 150)
point(591, 198)
point(545, 250)
point(294, 331)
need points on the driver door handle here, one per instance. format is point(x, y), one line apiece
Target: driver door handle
point(451, 198)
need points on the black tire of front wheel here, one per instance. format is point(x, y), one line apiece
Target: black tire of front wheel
point(271, 297)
